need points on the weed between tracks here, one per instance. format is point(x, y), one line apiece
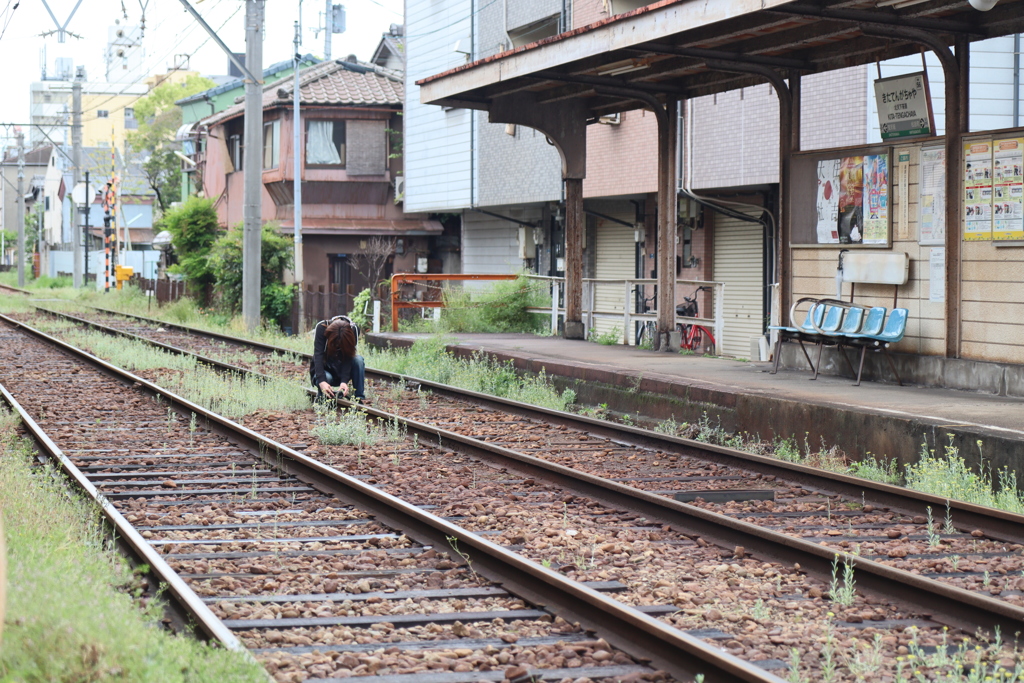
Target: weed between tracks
point(352, 428)
point(429, 359)
point(230, 395)
point(72, 611)
point(944, 474)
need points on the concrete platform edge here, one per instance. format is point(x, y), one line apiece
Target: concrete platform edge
point(853, 429)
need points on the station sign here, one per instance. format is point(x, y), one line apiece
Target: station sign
point(904, 106)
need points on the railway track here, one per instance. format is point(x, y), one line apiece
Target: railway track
point(8, 289)
point(319, 574)
point(531, 435)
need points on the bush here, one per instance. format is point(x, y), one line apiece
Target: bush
point(193, 226)
point(501, 309)
point(47, 282)
point(276, 255)
point(357, 314)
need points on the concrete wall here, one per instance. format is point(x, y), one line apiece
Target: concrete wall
point(437, 142)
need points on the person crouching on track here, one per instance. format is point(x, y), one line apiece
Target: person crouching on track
point(335, 363)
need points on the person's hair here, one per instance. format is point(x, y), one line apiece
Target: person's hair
point(341, 339)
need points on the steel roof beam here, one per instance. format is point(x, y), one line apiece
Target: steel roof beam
point(702, 53)
point(881, 18)
point(610, 83)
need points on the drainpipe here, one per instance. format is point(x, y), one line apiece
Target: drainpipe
point(1016, 80)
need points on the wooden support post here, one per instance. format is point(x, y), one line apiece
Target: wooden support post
point(574, 259)
point(957, 112)
point(668, 127)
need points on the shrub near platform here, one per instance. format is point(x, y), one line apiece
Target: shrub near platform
point(71, 615)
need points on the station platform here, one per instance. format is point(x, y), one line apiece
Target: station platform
point(885, 420)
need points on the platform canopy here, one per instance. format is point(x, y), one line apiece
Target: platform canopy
point(683, 48)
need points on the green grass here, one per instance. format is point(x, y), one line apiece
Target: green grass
point(71, 615)
point(498, 306)
point(231, 395)
point(429, 359)
point(352, 427)
point(948, 475)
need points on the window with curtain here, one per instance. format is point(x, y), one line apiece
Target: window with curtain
point(325, 143)
point(271, 143)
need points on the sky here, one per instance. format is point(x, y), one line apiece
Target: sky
point(170, 31)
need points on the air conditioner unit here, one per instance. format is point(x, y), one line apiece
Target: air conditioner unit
point(611, 119)
point(399, 187)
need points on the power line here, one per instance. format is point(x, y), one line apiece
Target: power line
point(9, 11)
point(174, 47)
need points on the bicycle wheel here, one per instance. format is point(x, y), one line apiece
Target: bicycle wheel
point(702, 336)
point(684, 332)
point(646, 333)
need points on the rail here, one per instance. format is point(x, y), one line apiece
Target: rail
point(944, 603)
point(646, 638)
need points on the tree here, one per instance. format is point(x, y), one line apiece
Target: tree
point(159, 119)
point(194, 228)
point(276, 255)
point(371, 263)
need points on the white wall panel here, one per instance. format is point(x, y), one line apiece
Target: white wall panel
point(436, 142)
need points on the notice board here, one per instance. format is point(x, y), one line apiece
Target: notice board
point(841, 197)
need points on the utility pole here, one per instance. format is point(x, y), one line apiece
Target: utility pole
point(328, 29)
point(252, 166)
point(300, 326)
point(85, 231)
point(21, 208)
point(76, 143)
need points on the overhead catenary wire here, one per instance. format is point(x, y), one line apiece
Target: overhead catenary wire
point(164, 77)
point(8, 15)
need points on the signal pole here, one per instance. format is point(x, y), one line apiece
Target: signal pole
point(252, 165)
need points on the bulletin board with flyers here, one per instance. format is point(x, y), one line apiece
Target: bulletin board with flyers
point(841, 198)
point(994, 189)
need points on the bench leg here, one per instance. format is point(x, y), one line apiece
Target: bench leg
point(778, 352)
point(817, 366)
point(860, 369)
point(842, 353)
point(885, 349)
point(804, 349)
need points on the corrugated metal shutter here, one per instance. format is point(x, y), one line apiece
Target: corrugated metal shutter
point(615, 258)
point(738, 262)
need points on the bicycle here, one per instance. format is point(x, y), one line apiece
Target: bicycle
point(693, 335)
point(647, 328)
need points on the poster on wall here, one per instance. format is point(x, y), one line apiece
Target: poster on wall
point(937, 275)
point(932, 202)
point(978, 191)
point(876, 199)
point(828, 201)
point(1008, 189)
point(853, 200)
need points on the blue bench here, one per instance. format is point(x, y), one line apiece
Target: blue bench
point(838, 323)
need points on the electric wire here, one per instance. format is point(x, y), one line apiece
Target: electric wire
point(164, 77)
point(453, 24)
point(9, 14)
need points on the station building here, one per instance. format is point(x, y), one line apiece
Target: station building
point(747, 213)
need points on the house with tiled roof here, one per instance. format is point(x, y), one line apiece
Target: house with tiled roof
point(350, 114)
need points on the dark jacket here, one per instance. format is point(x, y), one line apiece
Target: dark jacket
point(338, 366)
